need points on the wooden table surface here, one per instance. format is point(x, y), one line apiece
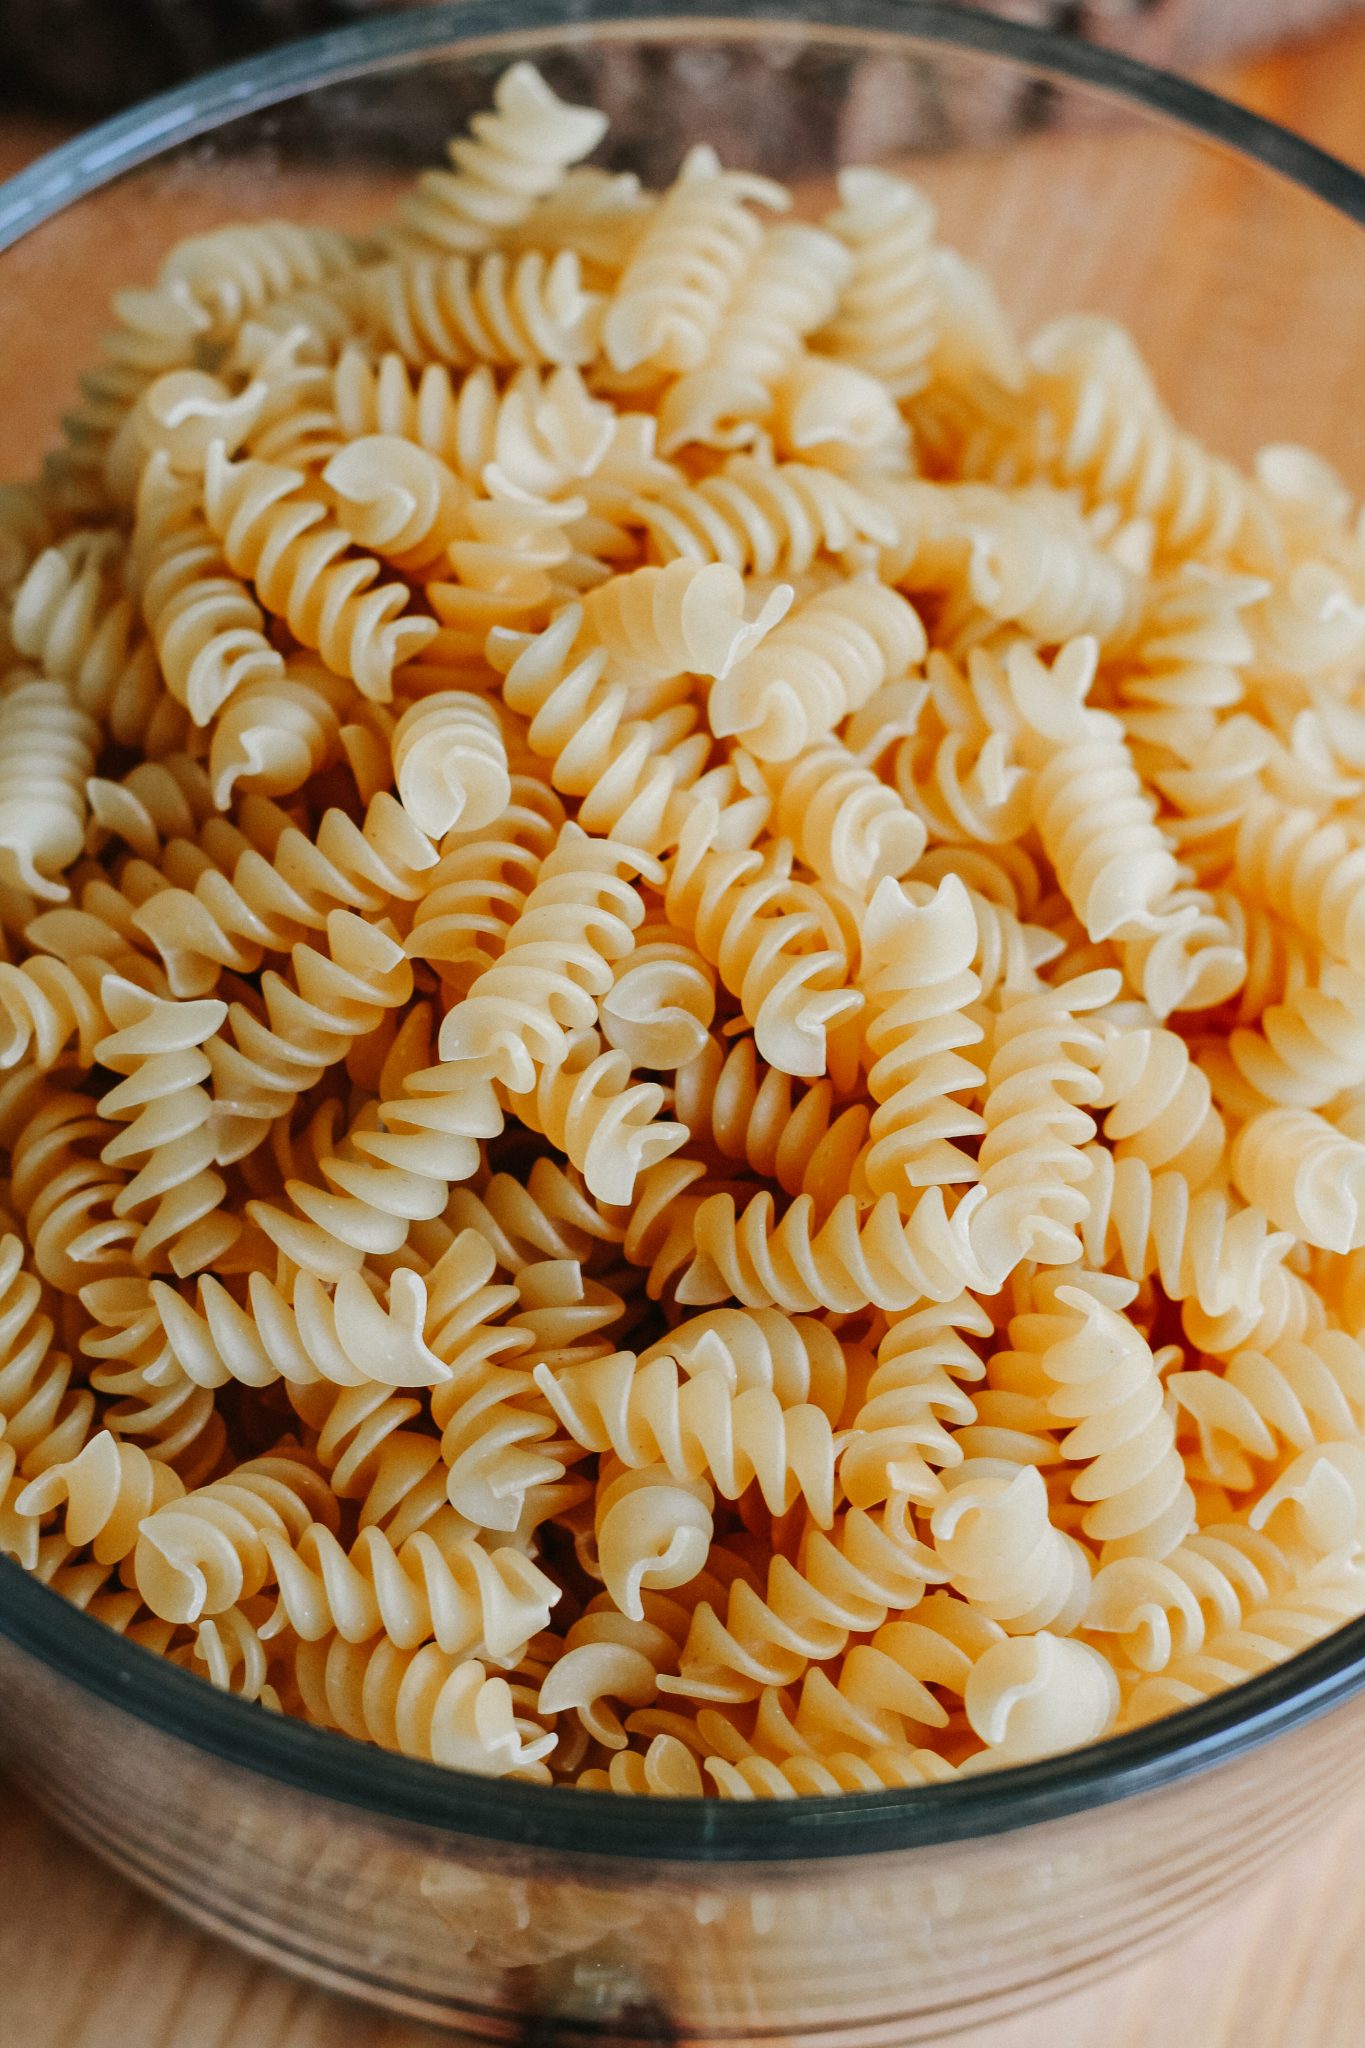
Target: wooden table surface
point(86, 1962)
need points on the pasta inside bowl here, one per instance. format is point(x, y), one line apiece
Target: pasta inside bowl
point(682, 1032)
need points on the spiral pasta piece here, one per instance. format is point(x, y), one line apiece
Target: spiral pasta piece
point(451, 763)
point(673, 293)
point(885, 318)
point(278, 885)
point(576, 922)
point(443, 1587)
point(791, 286)
point(480, 884)
point(512, 157)
point(846, 824)
point(284, 541)
point(1037, 1126)
point(844, 1583)
point(1267, 1635)
point(301, 1334)
point(108, 1489)
point(1163, 1609)
point(826, 660)
point(995, 1544)
point(917, 978)
point(421, 1703)
point(763, 519)
point(205, 1552)
point(47, 751)
point(790, 986)
point(897, 1441)
point(396, 500)
point(1107, 1386)
point(629, 787)
point(1307, 1176)
point(72, 621)
point(1308, 871)
point(645, 1412)
point(44, 1420)
point(494, 308)
point(799, 1137)
point(1108, 432)
point(1160, 1104)
point(275, 734)
point(157, 1045)
point(609, 1127)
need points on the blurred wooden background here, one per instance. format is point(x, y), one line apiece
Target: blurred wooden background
point(86, 1962)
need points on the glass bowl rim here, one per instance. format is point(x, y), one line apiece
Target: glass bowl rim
point(456, 1804)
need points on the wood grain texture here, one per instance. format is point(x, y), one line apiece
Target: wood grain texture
point(86, 1962)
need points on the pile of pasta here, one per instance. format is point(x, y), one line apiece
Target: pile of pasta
point(683, 1026)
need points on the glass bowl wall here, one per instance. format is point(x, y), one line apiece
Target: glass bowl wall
point(1083, 183)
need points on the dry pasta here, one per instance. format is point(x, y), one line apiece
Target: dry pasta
point(682, 1023)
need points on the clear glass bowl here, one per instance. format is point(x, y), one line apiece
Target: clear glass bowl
point(1235, 252)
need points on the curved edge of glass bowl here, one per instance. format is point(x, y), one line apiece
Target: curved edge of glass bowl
point(559, 1819)
point(556, 1819)
point(81, 166)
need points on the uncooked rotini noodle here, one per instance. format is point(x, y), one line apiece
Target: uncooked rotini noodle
point(607, 1125)
point(443, 1587)
point(176, 1192)
point(1029, 1696)
point(263, 1055)
point(844, 1582)
point(495, 309)
point(278, 885)
point(511, 158)
point(577, 922)
point(755, 1115)
point(276, 733)
point(763, 932)
point(1163, 1610)
point(917, 979)
point(1107, 1386)
point(687, 616)
point(47, 750)
point(659, 1009)
point(1307, 1176)
point(155, 802)
point(844, 822)
point(771, 519)
point(897, 1442)
point(273, 532)
point(178, 418)
point(450, 763)
point(838, 417)
point(107, 1490)
point(46, 1420)
point(580, 722)
point(207, 627)
point(395, 499)
point(1101, 425)
point(1309, 871)
point(886, 317)
point(682, 1046)
point(1037, 1126)
point(234, 272)
point(1266, 1636)
point(645, 1412)
point(480, 884)
point(1160, 1103)
point(821, 663)
point(421, 1703)
point(995, 1544)
point(301, 1334)
point(73, 622)
point(697, 245)
point(791, 286)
